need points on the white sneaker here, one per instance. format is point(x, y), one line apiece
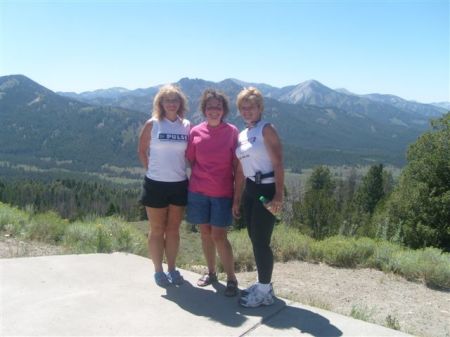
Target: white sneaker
point(257, 298)
point(247, 291)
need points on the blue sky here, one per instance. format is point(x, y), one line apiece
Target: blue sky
point(393, 47)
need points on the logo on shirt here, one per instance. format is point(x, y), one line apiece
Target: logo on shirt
point(173, 137)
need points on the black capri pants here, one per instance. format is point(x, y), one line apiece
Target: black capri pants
point(260, 223)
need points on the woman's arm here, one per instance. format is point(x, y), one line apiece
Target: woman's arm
point(275, 150)
point(238, 186)
point(144, 143)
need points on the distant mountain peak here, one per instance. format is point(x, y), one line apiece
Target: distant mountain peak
point(308, 92)
point(23, 84)
point(313, 84)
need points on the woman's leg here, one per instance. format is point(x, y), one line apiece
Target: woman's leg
point(261, 233)
point(156, 241)
point(219, 236)
point(172, 234)
point(260, 223)
point(209, 248)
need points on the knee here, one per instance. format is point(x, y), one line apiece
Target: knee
point(156, 230)
point(205, 236)
point(205, 232)
point(219, 238)
point(172, 233)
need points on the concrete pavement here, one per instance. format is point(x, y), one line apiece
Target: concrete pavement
point(114, 295)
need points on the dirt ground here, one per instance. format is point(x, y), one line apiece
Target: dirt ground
point(11, 247)
point(416, 309)
point(379, 297)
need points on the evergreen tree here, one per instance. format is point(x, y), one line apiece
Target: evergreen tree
point(319, 210)
point(420, 204)
point(371, 190)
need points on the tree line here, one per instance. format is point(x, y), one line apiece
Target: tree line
point(73, 199)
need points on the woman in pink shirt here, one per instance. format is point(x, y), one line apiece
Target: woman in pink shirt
point(211, 153)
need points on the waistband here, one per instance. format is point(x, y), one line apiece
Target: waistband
point(259, 177)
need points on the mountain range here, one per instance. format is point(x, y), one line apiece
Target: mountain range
point(91, 130)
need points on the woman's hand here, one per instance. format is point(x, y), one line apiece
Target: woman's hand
point(236, 209)
point(276, 204)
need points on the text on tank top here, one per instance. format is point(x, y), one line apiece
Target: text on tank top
point(167, 150)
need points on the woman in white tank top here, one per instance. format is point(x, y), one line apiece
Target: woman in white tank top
point(260, 161)
point(162, 146)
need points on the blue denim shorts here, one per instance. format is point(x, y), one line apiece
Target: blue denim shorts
point(215, 211)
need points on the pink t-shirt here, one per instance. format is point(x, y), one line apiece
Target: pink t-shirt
point(211, 152)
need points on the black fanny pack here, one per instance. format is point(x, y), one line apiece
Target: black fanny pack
point(260, 176)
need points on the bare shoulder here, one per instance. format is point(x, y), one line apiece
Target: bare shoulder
point(148, 125)
point(269, 131)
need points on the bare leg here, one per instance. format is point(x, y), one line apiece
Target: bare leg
point(157, 220)
point(175, 215)
point(209, 248)
point(219, 236)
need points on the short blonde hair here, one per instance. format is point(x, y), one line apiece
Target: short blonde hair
point(158, 110)
point(250, 94)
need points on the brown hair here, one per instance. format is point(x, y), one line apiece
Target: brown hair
point(212, 93)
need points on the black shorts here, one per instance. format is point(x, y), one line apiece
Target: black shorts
point(160, 194)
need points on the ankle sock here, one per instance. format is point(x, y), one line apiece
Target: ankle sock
point(264, 287)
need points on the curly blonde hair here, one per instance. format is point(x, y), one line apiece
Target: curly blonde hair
point(158, 110)
point(250, 94)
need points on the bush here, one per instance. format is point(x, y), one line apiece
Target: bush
point(435, 267)
point(12, 219)
point(362, 313)
point(289, 244)
point(81, 237)
point(383, 255)
point(429, 264)
point(105, 235)
point(342, 251)
point(47, 227)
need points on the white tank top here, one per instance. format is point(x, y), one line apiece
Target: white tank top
point(167, 150)
point(253, 154)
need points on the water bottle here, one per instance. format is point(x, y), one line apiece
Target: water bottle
point(265, 202)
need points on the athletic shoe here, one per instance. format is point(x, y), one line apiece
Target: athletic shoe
point(161, 279)
point(257, 298)
point(175, 277)
point(245, 292)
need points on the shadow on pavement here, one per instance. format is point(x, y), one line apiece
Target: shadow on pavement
point(206, 302)
point(288, 317)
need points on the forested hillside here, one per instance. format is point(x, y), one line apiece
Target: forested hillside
point(45, 130)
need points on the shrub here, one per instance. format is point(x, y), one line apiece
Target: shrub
point(12, 219)
point(81, 237)
point(342, 251)
point(105, 235)
point(435, 267)
point(362, 312)
point(392, 322)
point(47, 227)
point(383, 255)
point(289, 244)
